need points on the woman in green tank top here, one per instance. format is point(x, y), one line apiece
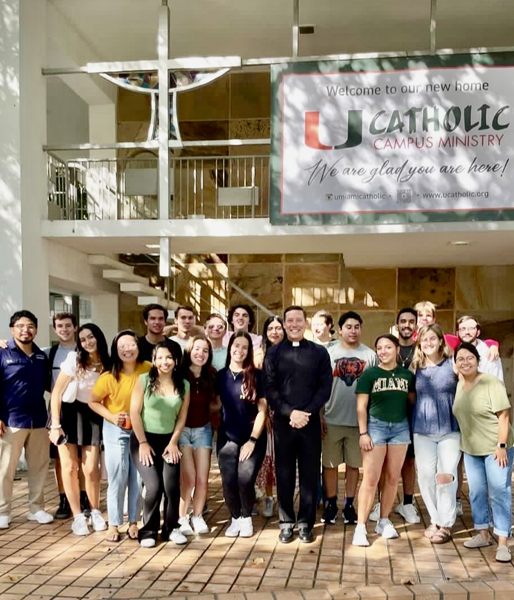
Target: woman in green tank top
point(158, 409)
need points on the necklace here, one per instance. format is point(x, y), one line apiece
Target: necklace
point(408, 359)
point(234, 375)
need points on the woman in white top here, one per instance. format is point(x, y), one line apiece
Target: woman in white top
point(74, 424)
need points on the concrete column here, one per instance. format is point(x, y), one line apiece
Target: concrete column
point(23, 190)
point(105, 314)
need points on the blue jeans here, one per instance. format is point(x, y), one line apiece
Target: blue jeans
point(490, 483)
point(121, 473)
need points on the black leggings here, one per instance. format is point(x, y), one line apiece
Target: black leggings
point(238, 477)
point(159, 478)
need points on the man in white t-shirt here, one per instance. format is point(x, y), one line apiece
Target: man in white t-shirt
point(185, 321)
point(65, 327)
point(468, 330)
point(349, 358)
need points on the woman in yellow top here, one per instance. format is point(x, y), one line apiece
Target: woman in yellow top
point(111, 400)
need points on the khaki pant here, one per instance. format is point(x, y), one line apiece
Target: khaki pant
point(36, 444)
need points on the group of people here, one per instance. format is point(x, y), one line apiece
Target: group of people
point(280, 405)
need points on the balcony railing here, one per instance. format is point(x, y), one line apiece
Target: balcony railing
point(218, 187)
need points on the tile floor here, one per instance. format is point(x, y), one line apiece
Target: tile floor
point(48, 561)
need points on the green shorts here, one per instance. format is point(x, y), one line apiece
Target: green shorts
point(341, 445)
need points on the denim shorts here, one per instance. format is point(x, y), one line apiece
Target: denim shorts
point(383, 433)
point(196, 437)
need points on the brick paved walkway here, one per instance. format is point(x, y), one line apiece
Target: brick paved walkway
point(47, 561)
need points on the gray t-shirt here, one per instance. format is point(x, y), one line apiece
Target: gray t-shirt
point(348, 364)
point(60, 357)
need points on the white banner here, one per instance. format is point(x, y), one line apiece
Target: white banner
point(414, 140)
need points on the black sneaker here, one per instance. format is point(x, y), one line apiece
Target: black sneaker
point(350, 515)
point(64, 510)
point(330, 513)
point(84, 505)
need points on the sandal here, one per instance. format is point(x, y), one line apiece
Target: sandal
point(442, 536)
point(113, 534)
point(430, 531)
point(133, 531)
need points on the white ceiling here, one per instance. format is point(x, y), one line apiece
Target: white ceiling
point(126, 29)
point(489, 243)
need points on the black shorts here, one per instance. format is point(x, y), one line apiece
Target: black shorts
point(82, 425)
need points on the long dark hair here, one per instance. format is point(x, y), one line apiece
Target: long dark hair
point(83, 356)
point(249, 385)
point(117, 363)
point(208, 373)
point(176, 374)
point(267, 322)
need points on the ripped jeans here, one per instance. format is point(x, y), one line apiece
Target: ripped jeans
point(438, 455)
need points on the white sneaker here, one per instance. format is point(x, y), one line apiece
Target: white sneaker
point(360, 536)
point(147, 543)
point(97, 521)
point(185, 527)
point(79, 525)
point(245, 527)
point(374, 515)
point(4, 521)
point(234, 528)
point(269, 504)
point(177, 537)
point(199, 525)
point(459, 512)
point(408, 512)
point(41, 517)
point(386, 529)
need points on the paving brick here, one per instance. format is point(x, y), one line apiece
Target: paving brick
point(452, 591)
point(478, 590)
point(398, 592)
point(425, 592)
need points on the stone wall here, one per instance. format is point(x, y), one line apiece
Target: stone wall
point(317, 281)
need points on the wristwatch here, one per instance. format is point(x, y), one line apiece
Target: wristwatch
point(501, 445)
point(252, 439)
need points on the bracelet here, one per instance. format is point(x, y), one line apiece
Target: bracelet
point(365, 433)
point(252, 439)
point(143, 442)
point(56, 426)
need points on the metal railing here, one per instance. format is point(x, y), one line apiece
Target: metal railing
point(218, 187)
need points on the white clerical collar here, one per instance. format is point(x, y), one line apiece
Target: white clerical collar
point(295, 344)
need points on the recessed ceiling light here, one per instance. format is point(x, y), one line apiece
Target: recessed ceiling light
point(152, 245)
point(459, 243)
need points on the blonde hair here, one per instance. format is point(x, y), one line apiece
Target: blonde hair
point(425, 305)
point(420, 359)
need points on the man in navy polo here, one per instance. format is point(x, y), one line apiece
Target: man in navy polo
point(23, 417)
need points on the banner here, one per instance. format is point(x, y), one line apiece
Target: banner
point(393, 140)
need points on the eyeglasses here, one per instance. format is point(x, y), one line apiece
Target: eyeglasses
point(467, 329)
point(462, 360)
point(21, 327)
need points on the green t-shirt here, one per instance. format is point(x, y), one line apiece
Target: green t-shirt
point(159, 413)
point(476, 414)
point(388, 392)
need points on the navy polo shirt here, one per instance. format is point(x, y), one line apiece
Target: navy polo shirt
point(22, 387)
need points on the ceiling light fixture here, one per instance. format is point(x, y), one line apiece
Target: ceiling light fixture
point(152, 246)
point(459, 243)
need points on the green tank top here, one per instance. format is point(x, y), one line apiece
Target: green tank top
point(159, 414)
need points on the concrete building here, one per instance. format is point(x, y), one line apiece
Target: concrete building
point(114, 194)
